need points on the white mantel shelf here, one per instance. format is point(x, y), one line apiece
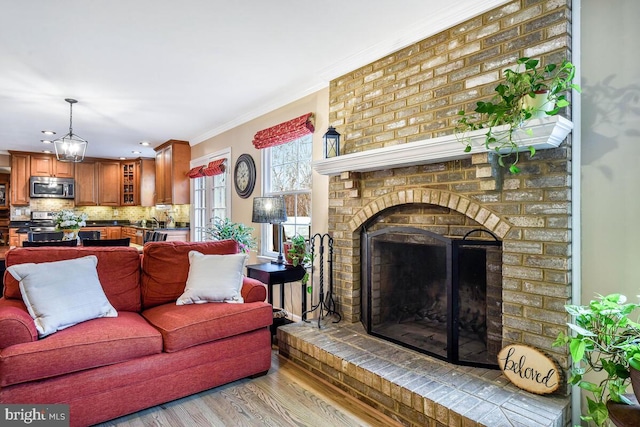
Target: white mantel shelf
point(548, 132)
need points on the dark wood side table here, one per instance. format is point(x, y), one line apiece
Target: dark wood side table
point(279, 274)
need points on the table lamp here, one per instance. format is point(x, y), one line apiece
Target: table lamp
point(271, 210)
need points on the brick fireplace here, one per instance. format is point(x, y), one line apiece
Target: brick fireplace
point(413, 95)
point(401, 165)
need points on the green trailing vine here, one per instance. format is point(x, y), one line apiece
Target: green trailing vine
point(513, 105)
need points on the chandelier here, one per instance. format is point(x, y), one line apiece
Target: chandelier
point(70, 148)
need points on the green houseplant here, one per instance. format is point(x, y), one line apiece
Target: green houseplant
point(297, 254)
point(605, 340)
point(526, 92)
point(224, 228)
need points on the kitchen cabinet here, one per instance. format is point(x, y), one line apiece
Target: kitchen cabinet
point(48, 165)
point(128, 177)
point(138, 182)
point(172, 165)
point(19, 180)
point(106, 232)
point(136, 235)
point(114, 233)
point(86, 184)
point(15, 238)
point(98, 183)
point(108, 183)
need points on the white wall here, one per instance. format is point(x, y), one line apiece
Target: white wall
point(240, 140)
point(610, 147)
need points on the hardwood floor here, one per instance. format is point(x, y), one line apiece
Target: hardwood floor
point(286, 396)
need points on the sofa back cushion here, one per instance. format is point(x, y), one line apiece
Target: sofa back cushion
point(118, 270)
point(165, 267)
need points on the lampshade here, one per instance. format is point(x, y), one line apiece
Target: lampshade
point(70, 148)
point(269, 210)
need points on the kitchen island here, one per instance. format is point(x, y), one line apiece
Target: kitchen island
point(109, 229)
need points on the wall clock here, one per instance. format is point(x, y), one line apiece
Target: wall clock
point(244, 175)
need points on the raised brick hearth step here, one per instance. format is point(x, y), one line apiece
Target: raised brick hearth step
point(412, 387)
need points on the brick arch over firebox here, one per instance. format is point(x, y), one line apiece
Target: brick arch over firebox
point(347, 242)
point(490, 220)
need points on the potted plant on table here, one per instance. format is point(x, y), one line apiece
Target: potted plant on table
point(70, 223)
point(525, 93)
point(605, 341)
point(297, 254)
point(221, 229)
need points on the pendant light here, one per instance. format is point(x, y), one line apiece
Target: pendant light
point(70, 148)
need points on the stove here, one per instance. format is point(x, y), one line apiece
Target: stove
point(42, 221)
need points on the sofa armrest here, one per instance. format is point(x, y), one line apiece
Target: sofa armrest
point(253, 290)
point(16, 325)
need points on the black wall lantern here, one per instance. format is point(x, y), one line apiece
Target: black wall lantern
point(331, 143)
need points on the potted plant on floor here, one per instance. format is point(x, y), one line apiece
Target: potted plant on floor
point(605, 340)
point(221, 229)
point(524, 93)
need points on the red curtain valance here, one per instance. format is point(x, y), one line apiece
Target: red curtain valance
point(215, 167)
point(284, 132)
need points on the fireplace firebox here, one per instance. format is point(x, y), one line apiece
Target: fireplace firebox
point(434, 294)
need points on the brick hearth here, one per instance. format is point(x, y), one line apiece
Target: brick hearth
point(415, 389)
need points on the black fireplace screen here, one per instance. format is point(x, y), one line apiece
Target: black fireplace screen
point(436, 295)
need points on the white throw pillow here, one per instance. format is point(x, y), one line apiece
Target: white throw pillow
point(213, 278)
point(60, 294)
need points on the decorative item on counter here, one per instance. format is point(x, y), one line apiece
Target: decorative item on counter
point(70, 223)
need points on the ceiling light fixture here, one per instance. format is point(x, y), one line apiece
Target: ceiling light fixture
point(48, 132)
point(46, 141)
point(70, 148)
point(145, 143)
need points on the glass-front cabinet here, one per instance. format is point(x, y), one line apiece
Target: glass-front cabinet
point(128, 185)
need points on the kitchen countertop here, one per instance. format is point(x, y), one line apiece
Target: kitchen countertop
point(108, 223)
point(127, 223)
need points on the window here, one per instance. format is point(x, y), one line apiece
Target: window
point(211, 195)
point(287, 172)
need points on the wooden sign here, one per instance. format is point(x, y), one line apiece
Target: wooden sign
point(530, 369)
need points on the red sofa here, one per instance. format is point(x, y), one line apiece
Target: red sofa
point(154, 351)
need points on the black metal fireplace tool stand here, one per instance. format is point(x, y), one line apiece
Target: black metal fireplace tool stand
point(326, 304)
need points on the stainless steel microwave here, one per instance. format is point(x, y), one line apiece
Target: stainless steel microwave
point(60, 188)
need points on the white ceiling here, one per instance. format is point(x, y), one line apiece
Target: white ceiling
point(153, 70)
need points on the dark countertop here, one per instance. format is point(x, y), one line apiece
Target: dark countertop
point(106, 223)
point(160, 228)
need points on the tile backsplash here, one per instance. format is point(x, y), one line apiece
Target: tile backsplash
point(180, 213)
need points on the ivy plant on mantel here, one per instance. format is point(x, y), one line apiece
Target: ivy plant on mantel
point(545, 133)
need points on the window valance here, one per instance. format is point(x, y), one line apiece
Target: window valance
point(215, 167)
point(284, 132)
